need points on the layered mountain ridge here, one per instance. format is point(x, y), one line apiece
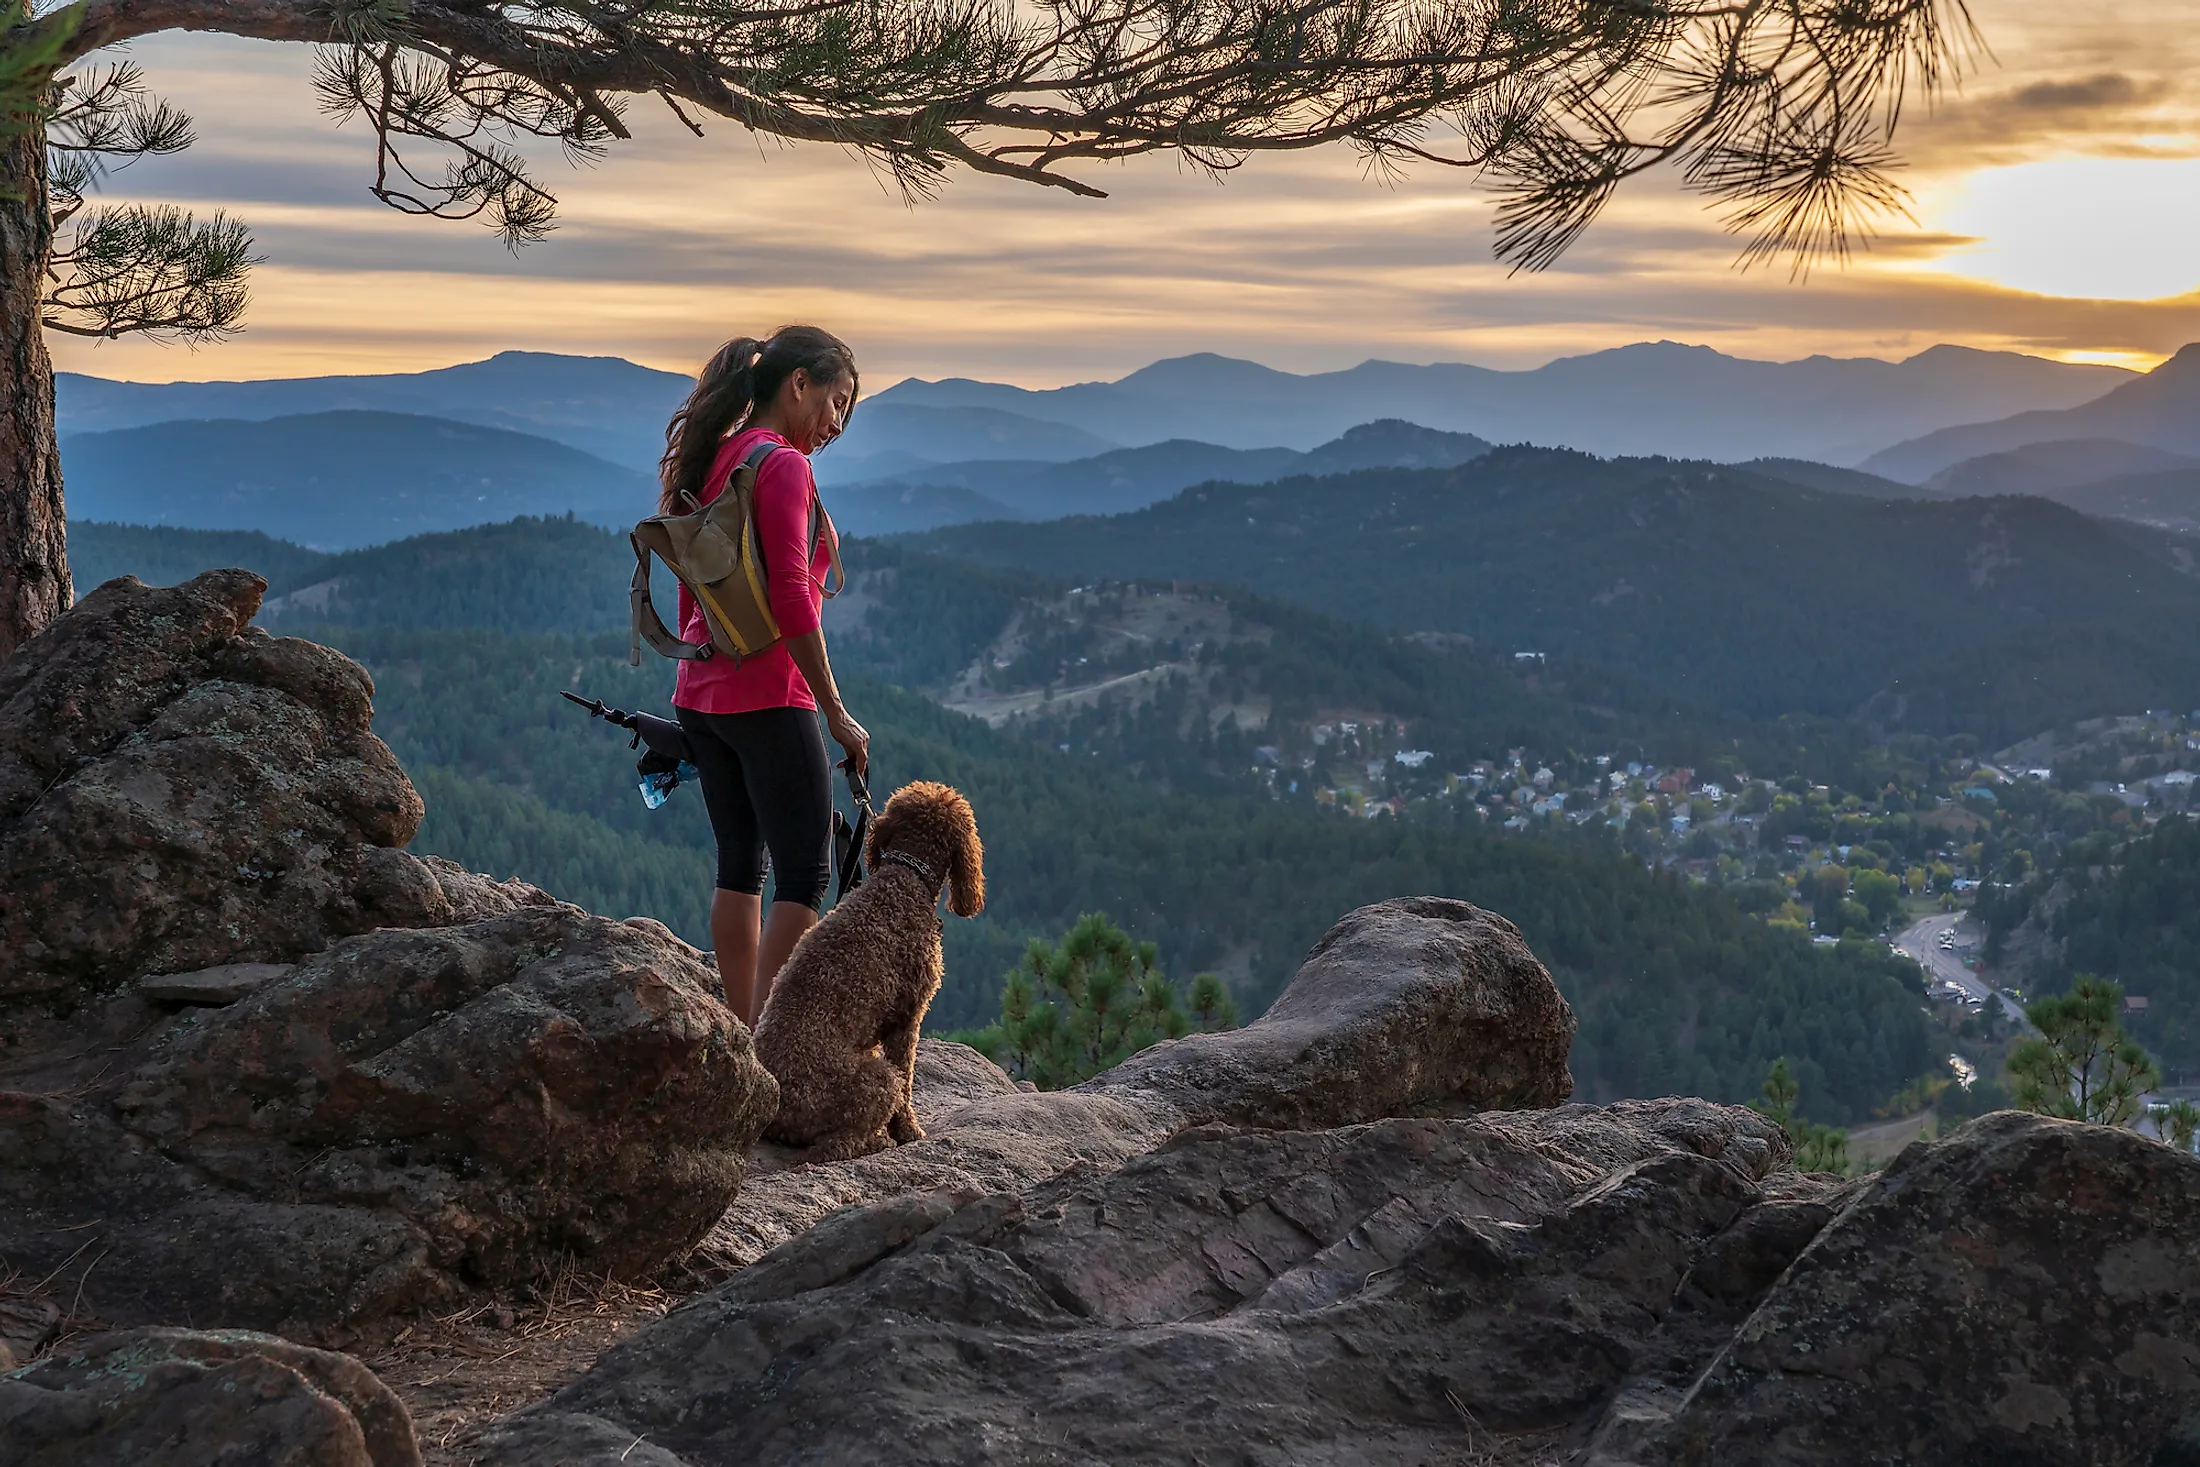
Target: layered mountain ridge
point(1649, 398)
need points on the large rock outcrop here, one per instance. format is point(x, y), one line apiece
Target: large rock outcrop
point(1410, 1005)
point(1644, 1283)
point(1238, 1296)
point(404, 1115)
point(178, 790)
point(1387, 1281)
point(185, 1398)
point(2025, 1292)
point(261, 1068)
point(1420, 1005)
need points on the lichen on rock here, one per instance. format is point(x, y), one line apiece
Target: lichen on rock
point(179, 790)
point(2024, 1291)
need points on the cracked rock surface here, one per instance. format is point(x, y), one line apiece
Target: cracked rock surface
point(2024, 1292)
point(1237, 1295)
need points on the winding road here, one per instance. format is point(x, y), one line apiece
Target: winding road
point(1921, 940)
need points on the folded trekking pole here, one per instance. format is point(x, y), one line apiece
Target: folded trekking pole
point(669, 760)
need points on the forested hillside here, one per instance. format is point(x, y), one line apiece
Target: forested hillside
point(2128, 912)
point(1677, 988)
point(992, 639)
point(524, 575)
point(1720, 588)
point(920, 620)
point(163, 556)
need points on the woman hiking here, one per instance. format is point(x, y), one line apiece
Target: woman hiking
point(754, 726)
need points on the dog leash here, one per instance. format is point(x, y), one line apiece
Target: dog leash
point(848, 839)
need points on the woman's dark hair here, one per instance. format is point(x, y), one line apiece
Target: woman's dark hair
point(743, 375)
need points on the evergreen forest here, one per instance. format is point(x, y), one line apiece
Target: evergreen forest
point(1689, 586)
point(1677, 986)
point(2128, 913)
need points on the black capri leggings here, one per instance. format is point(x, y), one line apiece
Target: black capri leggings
point(767, 784)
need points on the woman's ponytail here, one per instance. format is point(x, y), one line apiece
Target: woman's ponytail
point(722, 397)
point(745, 374)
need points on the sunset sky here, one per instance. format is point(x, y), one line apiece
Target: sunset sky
point(2057, 204)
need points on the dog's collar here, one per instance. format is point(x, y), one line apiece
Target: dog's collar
point(903, 858)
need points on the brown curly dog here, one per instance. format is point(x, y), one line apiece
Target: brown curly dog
point(839, 1031)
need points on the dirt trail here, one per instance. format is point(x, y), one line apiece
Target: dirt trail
point(459, 1372)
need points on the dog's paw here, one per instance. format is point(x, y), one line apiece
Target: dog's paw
point(904, 1131)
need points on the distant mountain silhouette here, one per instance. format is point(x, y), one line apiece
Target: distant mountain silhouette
point(1655, 397)
point(889, 438)
point(337, 480)
point(2159, 410)
point(2107, 477)
point(893, 509)
point(1130, 478)
point(2043, 468)
point(1392, 443)
point(605, 406)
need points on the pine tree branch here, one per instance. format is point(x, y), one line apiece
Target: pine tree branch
point(1779, 111)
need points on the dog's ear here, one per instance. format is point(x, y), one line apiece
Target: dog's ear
point(966, 864)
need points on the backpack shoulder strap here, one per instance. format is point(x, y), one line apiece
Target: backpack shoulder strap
point(649, 538)
point(821, 523)
point(822, 529)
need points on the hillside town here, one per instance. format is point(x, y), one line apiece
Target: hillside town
point(1934, 828)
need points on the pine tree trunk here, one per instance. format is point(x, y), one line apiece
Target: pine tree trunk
point(34, 558)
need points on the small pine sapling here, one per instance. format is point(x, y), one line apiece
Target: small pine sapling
point(1817, 1148)
point(2082, 1067)
point(1073, 1009)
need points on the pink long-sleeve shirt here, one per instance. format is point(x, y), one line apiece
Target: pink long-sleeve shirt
point(794, 583)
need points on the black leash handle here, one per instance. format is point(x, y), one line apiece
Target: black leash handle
point(848, 839)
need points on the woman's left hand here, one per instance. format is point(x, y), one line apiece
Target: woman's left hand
point(854, 739)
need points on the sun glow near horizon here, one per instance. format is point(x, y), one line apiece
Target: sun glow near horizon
point(2109, 228)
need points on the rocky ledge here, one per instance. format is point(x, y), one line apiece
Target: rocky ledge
point(180, 790)
point(1404, 1270)
point(1642, 1285)
point(1407, 1007)
point(262, 1069)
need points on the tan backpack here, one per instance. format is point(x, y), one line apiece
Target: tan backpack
point(716, 554)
